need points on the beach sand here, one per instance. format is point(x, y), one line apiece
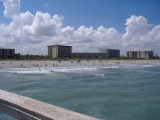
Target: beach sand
point(49, 63)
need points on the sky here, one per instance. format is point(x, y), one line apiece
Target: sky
point(30, 26)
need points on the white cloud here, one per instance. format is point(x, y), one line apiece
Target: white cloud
point(46, 6)
point(30, 33)
point(11, 7)
point(43, 25)
point(139, 34)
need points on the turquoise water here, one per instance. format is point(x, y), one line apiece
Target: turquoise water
point(117, 92)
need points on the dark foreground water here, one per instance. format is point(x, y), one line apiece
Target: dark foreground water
point(118, 92)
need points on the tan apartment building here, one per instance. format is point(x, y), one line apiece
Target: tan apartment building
point(59, 51)
point(145, 54)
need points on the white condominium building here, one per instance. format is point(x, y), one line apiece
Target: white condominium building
point(145, 54)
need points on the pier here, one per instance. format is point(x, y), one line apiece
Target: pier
point(25, 108)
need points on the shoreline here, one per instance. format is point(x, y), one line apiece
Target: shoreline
point(51, 63)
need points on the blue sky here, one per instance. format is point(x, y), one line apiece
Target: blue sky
point(119, 24)
point(109, 13)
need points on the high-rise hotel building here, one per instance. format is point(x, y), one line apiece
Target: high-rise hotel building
point(59, 51)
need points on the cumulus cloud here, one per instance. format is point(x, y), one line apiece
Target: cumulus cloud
point(139, 34)
point(29, 33)
point(43, 25)
point(11, 7)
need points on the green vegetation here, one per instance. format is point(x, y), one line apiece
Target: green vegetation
point(42, 57)
point(119, 58)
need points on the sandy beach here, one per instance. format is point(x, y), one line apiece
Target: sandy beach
point(49, 63)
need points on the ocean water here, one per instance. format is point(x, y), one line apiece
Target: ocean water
point(111, 92)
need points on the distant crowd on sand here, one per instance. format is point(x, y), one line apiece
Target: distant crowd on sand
point(58, 63)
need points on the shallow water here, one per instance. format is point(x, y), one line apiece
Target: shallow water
point(117, 92)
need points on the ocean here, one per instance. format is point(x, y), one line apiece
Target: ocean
point(111, 92)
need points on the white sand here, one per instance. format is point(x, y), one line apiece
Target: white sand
point(37, 63)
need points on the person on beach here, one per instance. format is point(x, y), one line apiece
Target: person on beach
point(79, 61)
point(59, 60)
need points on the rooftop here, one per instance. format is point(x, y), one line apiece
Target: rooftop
point(58, 45)
point(137, 50)
point(106, 49)
point(8, 48)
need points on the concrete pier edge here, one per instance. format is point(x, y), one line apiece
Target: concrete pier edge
point(27, 108)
